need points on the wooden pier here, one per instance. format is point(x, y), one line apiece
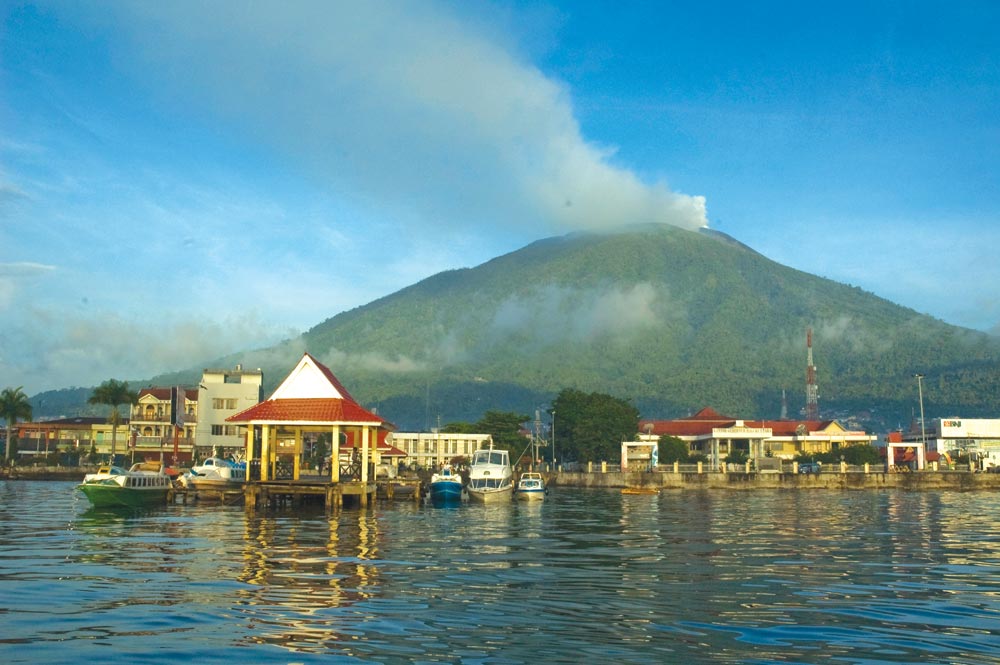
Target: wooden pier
point(285, 493)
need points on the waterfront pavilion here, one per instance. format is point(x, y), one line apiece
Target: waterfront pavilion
point(311, 400)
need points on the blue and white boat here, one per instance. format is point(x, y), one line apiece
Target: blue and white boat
point(446, 487)
point(530, 486)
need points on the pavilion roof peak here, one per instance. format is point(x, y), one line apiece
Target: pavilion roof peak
point(311, 379)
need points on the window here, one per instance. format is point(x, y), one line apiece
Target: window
point(216, 430)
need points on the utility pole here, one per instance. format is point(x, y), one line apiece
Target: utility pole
point(553, 440)
point(920, 393)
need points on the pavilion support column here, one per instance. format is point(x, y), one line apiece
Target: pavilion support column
point(364, 453)
point(297, 457)
point(265, 452)
point(249, 453)
point(335, 455)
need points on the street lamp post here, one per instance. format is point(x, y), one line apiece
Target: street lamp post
point(553, 440)
point(920, 393)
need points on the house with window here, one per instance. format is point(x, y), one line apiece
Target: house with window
point(153, 419)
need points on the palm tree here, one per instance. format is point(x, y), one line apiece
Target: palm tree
point(113, 393)
point(14, 405)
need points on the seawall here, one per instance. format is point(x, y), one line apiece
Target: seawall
point(46, 472)
point(830, 480)
point(856, 480)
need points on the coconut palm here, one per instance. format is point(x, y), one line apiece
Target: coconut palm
point(14, 405)
point(113, 393)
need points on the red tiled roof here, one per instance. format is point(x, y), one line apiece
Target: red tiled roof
point(164, 394)
point(311, 410)
point(704, 421)
point(708, 413)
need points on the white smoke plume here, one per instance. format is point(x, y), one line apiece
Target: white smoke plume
point(403, 105)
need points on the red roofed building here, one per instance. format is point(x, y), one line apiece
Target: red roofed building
point(716, 436)
point(311, 399)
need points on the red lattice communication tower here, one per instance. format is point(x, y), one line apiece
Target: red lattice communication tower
point(812, 390)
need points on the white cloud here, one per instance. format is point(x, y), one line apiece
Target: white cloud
point(13, 275)
point(583, 314)
point(46, 348)
point(400, 105)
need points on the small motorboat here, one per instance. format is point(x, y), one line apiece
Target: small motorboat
point(214, 472)
point(446, 487)
point(530, 487)
point(640, 490)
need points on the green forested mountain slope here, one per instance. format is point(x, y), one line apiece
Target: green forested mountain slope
point(671, 319)
point(668, 318)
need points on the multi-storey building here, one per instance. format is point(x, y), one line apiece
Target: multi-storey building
point(153, 418)
point(975, 438)
point(223, 393)
point(429, 450)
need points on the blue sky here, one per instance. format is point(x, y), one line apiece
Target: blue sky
point(182, 180)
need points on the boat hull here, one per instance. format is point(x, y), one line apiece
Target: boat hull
point(446, 492)
point(115, 496)
point(491, 495)
point(530, 495)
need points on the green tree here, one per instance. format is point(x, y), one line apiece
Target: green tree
point(592, 425)
point(14, 406)
point(856, 454)
point(460, 427)
point(672, 449)
point(113, 393)
point(505, 428)
point(319, 451)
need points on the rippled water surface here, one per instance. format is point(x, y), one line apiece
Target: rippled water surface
point(588, 575)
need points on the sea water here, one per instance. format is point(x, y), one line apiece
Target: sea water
point(817, 576)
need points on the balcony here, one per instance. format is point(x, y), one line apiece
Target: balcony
point(160, 418)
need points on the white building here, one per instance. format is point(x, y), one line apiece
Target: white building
point(429, 450)
point(223, 393)
point(979, 438)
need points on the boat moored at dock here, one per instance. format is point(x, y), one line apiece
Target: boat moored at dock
point(491, 478)
point(446, 487)
point(530, 487)
point(215, 473)
point(144, 484)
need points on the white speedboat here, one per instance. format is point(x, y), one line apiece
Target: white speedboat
point(214, 472)
point(491, 478)
point(145, 484)
point(530, 486)
point(217, 468)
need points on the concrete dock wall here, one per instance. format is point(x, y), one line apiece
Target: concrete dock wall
point(923, 480)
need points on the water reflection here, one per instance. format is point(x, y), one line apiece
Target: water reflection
point(302, 574)
point(585, 575)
